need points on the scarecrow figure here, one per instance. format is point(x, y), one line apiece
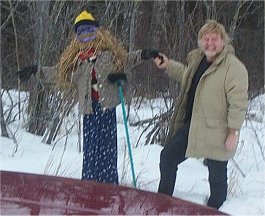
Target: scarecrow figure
point(93, 58)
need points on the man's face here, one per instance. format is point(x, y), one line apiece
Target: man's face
point(211, 44)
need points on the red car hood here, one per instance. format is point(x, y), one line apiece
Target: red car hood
point(23, 193)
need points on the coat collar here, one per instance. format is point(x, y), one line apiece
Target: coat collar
point(227, 49)
point(197, 55)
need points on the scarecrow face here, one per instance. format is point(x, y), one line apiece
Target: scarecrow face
point(86, 33)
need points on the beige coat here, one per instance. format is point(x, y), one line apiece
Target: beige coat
point(108, 93)
point(220, 102)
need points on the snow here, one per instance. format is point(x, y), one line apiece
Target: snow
point(246, 172)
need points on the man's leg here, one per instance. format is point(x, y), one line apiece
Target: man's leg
point(172, 155)
point(218, 182)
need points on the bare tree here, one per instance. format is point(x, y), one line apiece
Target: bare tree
point(4, 132)
point(37, 32)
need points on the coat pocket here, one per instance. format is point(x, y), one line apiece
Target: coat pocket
point(215, 136)
point(216, 123)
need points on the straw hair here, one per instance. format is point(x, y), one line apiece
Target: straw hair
point(104, 41)
point(212, 26)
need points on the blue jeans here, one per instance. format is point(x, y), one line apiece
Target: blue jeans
point(174, 153)
point(218, 182)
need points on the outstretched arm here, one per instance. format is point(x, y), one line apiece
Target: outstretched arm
point(45, 75)
point(173, 68)
point(139, 56)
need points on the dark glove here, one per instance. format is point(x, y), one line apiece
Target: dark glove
point(149, 53)
point(25, 73)
point(115, 77)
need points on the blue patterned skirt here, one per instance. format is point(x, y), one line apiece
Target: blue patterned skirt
point(100, 145)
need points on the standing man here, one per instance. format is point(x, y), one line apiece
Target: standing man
point(210, 111)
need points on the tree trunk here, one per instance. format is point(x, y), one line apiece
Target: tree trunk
point(37, 103)
point(4, 132)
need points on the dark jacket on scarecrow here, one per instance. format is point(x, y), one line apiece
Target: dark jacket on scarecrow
point(88, 65)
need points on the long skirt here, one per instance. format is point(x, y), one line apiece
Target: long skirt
point(100, 145)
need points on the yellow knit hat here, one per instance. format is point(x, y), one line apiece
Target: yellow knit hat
point(85, 18)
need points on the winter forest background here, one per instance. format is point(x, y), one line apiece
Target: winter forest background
point(37, 32)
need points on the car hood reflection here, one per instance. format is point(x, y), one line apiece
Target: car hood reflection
point(33, 194)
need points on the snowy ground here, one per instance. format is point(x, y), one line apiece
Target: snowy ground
point(246, 172)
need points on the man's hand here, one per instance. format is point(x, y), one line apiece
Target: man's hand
point(231, 141)
point(161, 61)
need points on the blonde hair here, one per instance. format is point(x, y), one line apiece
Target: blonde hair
point(104, 41)
point(212, 26)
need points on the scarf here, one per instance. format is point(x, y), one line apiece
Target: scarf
point(89, 55)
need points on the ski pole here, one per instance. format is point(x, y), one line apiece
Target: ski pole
point(126, 130)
